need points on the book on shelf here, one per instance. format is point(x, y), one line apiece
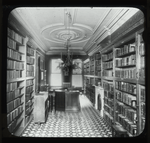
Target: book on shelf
point(107, 65)
point(126, 61)
point(108, 73)
point(127, 87)
point(108, 86)
point(29, 82)
point(142, 93)
point(13, 74)
point(30, 51)
point(107, 56)
point(129, 73)
point(125, 50)
point(15, 65)
point(142, 62)
point(11, 33)
point(142, 49)
point(14, 54)
point(30, 60)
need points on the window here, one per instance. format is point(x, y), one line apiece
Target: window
point(56, 79)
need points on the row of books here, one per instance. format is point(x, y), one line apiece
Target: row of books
point(29, 89)
point(15, 65)
point(92, 72)
point(27, 118)
point(13, 54)
point(126, 61)
point(92, 58)
point(30, 60)
point(109, 102)
point(14, 74)
point(98, 73)
point(108, 73)
point(142, 62)
point(108, 119)
point(108, 65)
point(28, 110)
point(30, 68)
point(143, 109)
point(98, 62)
point(14, 114)
point(126, 124)
point(92, 62)
point(107, 57)
point(127, 87)
point(91, 68)
point(13, 104)
point(109, 94)
point(11, 86)
point(11, 43)
point(30, 51)
point(126, 111)
point(92, 81)
point(142, 73)
point(27, 98)
point(15, 35)
point(97, 56)
point(12, 95)
point(142, 49)
point(142, 124)
point(125, 50)
point(109, 110)
point(142, 93)
point(29, 82)
point(126, 98)
point(126, 73)
point(108, 86)
point(29, 103)
point(98, 67)
point(30, 73)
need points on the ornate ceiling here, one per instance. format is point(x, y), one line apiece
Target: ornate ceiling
point(48, 27)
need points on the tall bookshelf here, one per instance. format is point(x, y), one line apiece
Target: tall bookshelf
point(128, 81)
point(108, 85)
point(20, 79)
point(30, 83)
point(123, 79)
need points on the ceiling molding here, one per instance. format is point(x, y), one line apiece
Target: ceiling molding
point(83, 25)
point(26, 25)
point(53, 48)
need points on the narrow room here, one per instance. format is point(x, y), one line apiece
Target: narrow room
point(75, 72)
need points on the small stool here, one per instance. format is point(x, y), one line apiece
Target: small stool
point(118, 131)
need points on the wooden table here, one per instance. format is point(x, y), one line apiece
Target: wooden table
point(67, 100)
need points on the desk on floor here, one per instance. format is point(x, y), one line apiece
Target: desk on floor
point(67, 100)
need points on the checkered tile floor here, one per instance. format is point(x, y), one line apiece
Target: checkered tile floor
point(86, 123)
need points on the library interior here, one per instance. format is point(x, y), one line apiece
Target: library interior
point(74, 72)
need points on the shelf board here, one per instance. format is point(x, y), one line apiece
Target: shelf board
point(127, 66)
point(108, 114)
point(30, 77)
point(15, 80)
point(107, 68)
point(15, 59)
point(98, 76)
point(127, 54)
point(126, 92)
point(126, 80)
point(16, 50)
point(130, 135)
point(107, 60)
point(107, 78)
point(126, 104)
point(16, 97)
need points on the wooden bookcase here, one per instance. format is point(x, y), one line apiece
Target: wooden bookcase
point(20, 82)
point(123, 80)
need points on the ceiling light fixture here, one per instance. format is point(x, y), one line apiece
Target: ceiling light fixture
point(67, 63)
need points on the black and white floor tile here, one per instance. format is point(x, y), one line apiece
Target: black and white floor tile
point(86, 123)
